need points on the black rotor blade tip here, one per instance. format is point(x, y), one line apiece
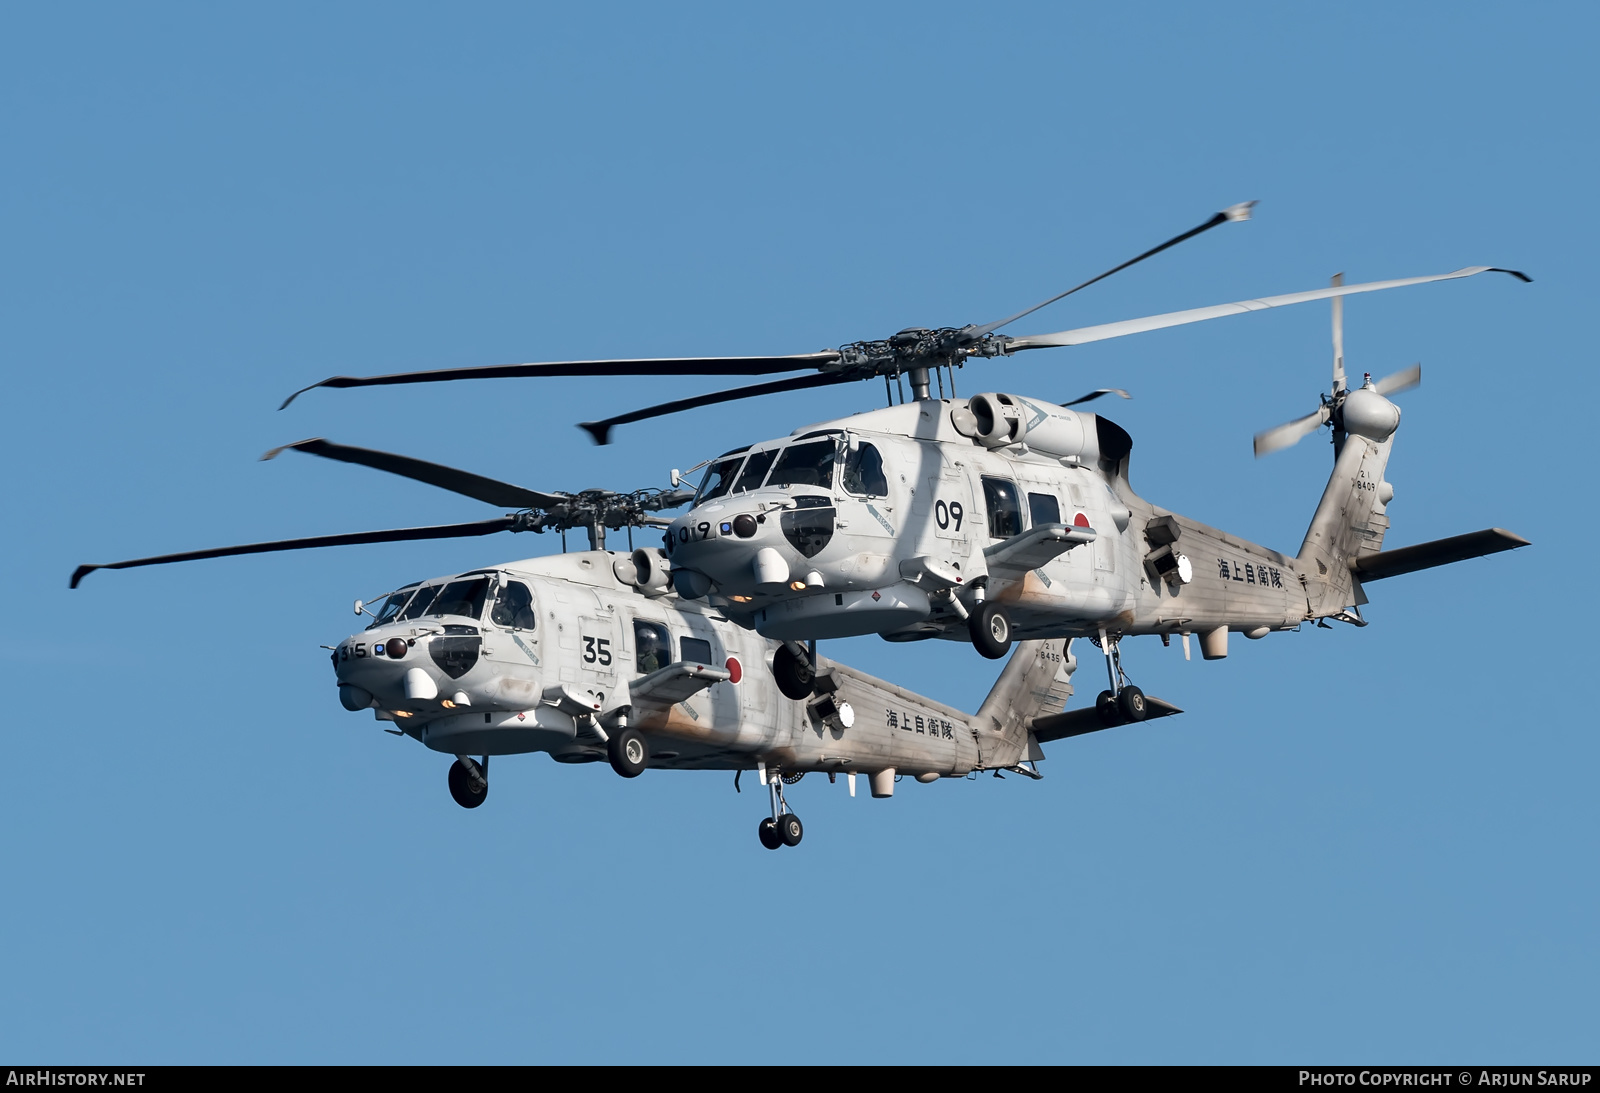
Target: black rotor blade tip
point(1517, 273)
point(599, 430)
point(80, 573)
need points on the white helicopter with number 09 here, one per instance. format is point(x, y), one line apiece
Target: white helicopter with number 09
point(1002, 517)
point(592, 656)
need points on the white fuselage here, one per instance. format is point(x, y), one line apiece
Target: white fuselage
point(537, 667)
point(906, 529)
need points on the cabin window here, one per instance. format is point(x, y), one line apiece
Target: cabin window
point(1005, 512)
point(695, 650)
point(462, 598)
point(755, 471)
point(513, 607)
point(863, 472)
point(419, 603)
point(808, 464)
point(653, 644)
point(1043, 508)
point(391, 606)
point(719, 478)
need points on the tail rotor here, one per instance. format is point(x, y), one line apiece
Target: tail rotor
point(1331, 412)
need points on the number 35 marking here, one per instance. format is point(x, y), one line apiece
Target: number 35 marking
point(596, 649)
point(944, 514)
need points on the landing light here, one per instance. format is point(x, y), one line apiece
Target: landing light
point(797, 586)
point(741, 599)
point(399, 713)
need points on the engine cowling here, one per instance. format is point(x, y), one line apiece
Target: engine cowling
point(996, 420)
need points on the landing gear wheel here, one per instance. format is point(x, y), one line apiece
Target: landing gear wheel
point(991, 631)
point(789, 829)
point(768, 834)
point(1131, 704)
point(462, 789)
point(1106, 707)
point(794, 674)
point(628, 752)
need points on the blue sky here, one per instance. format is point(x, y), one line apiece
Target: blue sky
point(1364, 846)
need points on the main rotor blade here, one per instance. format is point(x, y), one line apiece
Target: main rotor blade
point(397, 535)
point(653, 366)
point(1290, 432)
point(1092, 395)
point(601, 430)
point(476, 486)
point(1403, 380)
point(1240, 211)
point(1086, 334)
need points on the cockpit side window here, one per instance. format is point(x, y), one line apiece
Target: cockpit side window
point(654, 646)
point(391, 606)
point(807, 464)
point(863, 472)
point(755, 471)
point(1005, 513)
point(419, 603)
point(513, 607)
point(462, 598)
point(719, 478)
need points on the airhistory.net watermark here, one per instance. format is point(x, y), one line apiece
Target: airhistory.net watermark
point(46, 1077)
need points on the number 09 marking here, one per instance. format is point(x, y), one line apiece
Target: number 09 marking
point(946, 514)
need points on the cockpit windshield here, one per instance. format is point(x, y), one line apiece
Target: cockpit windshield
point(392, 605)
point(419, 603)
point(755, 471)
point(719, 477)
point(806, 464)
point(463, 597)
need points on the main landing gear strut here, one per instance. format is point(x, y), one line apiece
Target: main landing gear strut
point(783, 827)
point(1123, 702)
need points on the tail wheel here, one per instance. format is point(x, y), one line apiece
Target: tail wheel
point(794, 674)
point(628, 752)
point(467, 794)
point(991, 631)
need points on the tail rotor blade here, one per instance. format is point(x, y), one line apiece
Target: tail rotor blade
point(1403, 380)
point(1289, 433)
point(1338, 335)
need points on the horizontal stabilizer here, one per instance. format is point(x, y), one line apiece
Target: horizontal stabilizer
point(668, 686)
point(1030, 550)
point(1457, 548)
point(1059, 726)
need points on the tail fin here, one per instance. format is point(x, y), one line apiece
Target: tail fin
point(1349, 524)
point(1036, 682)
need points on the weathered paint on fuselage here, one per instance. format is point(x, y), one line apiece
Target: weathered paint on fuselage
point(933, 507)
point(584, 637)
